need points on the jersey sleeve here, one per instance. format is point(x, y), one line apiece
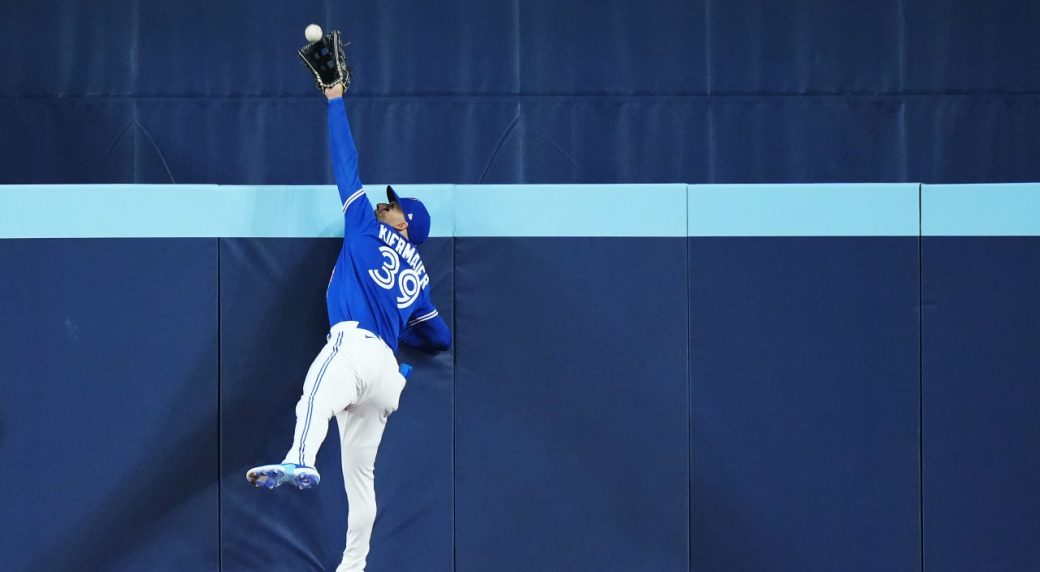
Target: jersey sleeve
point(427, 331)
point(357, 211)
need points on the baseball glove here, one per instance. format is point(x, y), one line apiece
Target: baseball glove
point(327, 61)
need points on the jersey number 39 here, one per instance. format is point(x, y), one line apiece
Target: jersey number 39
point(407, 280)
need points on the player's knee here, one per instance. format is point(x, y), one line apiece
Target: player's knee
point(360, 460)
point(302, 406)
point(307, 407)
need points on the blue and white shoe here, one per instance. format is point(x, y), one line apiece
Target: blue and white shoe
point(274, 476)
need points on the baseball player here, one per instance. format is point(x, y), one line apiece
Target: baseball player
point(378, 294)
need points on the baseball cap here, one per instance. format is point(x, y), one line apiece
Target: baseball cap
point(415, 213)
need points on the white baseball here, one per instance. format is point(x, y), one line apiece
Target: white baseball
point(312, 33)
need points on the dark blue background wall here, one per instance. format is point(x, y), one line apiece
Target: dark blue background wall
point(534, 91)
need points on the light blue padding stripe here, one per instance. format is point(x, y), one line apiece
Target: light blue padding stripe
point(981, 210)
point(570, 210)
point(279, 211)
point(90, 211)
point(804, 210)
point(118, 211)
point(142, 211)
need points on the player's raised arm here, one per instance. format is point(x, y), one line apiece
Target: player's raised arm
point(356, 208)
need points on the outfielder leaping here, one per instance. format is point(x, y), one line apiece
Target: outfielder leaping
point(379, 294)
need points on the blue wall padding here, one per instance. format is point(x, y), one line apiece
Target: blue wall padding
point(108, 418)
point(571, 434)
point(718, 402)
point(273, 323)
point(804, 401)
point(981, 403)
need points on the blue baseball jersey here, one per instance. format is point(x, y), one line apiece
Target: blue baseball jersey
point(379, 280)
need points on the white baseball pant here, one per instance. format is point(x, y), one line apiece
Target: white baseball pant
point(355, 377)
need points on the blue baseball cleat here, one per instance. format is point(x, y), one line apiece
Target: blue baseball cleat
point(273, 476)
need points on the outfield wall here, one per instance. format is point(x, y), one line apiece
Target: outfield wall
point(644, 377)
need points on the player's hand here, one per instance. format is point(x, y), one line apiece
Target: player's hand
point(334, 91)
